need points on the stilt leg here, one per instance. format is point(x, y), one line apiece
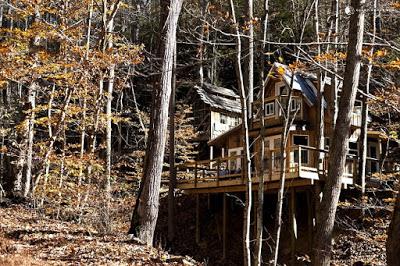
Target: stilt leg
point(197, 218)
point(224, 216)
point(310, 218)
point(293, 223)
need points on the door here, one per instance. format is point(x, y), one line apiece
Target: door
point(273, 143)
point(301, 140)
point(235, 165)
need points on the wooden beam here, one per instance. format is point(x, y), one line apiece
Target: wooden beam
point(224, 217)
point(236, 185)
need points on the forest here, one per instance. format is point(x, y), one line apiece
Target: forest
point(200, 132)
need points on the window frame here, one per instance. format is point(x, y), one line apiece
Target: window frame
point(266, 114)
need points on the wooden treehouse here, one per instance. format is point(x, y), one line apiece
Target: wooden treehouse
point(306, 165)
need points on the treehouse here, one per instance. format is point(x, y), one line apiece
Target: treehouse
point(286, 98)
point(306, 159)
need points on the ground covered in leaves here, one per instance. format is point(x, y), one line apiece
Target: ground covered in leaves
point(28, 238)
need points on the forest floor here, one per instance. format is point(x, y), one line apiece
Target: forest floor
point(29, 238)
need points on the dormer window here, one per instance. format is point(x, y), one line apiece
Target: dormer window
point(270, 109)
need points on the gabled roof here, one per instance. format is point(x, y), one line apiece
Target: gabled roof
point(219, 97)
point(302, 82)
point(213, 89)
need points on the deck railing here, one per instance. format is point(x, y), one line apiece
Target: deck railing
point(302, 162)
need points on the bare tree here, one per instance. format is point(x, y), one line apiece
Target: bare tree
point(365, 109)
point(260, 193)
point(340, 138)
point(246, 144)
point(288, 121)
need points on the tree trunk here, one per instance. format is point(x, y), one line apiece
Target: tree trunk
point(364, 115)
point(172, 173)
point(30, 134)
point(108, 22)
point(144, 218)
point(340, 138)
point(260, 194)
point(284, 139)
point(393, 240)
point(246, 144)
point(250, 74)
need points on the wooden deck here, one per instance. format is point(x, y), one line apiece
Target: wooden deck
point(226, 175)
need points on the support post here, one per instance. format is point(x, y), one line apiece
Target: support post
point(270, 165)
point(218, 171)
point(195, 174)
point(224, 216)
point(197, 218)
point(310, 217)
point(211, 156)
point(293, 224)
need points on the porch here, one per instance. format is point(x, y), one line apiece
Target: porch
point(226, 174)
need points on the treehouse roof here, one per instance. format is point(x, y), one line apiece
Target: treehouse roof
point(219, 98)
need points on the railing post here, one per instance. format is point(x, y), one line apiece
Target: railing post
point(218, 170)
point(270, 166)
point(299, 159)
point(195, 174)
point(243, 166)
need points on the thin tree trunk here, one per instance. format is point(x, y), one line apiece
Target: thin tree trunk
point(288, 121)
point(30, 135)
point(172, 173)
point(250, 81)
point(260, 194)
point(340, 138)
point(364, 115)
point(144, 218)
point(108, 40)
point(49, 117)
point(335, 80)
point(246, 144)
point(84, 104)
point(62, 170)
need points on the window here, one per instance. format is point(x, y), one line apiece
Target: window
point(277, 154)
point(283, 90)
point(353, 148)
point(301, 141)
point(270, 109)
point(223, 119)
point(372, 152)
point(295, 103)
